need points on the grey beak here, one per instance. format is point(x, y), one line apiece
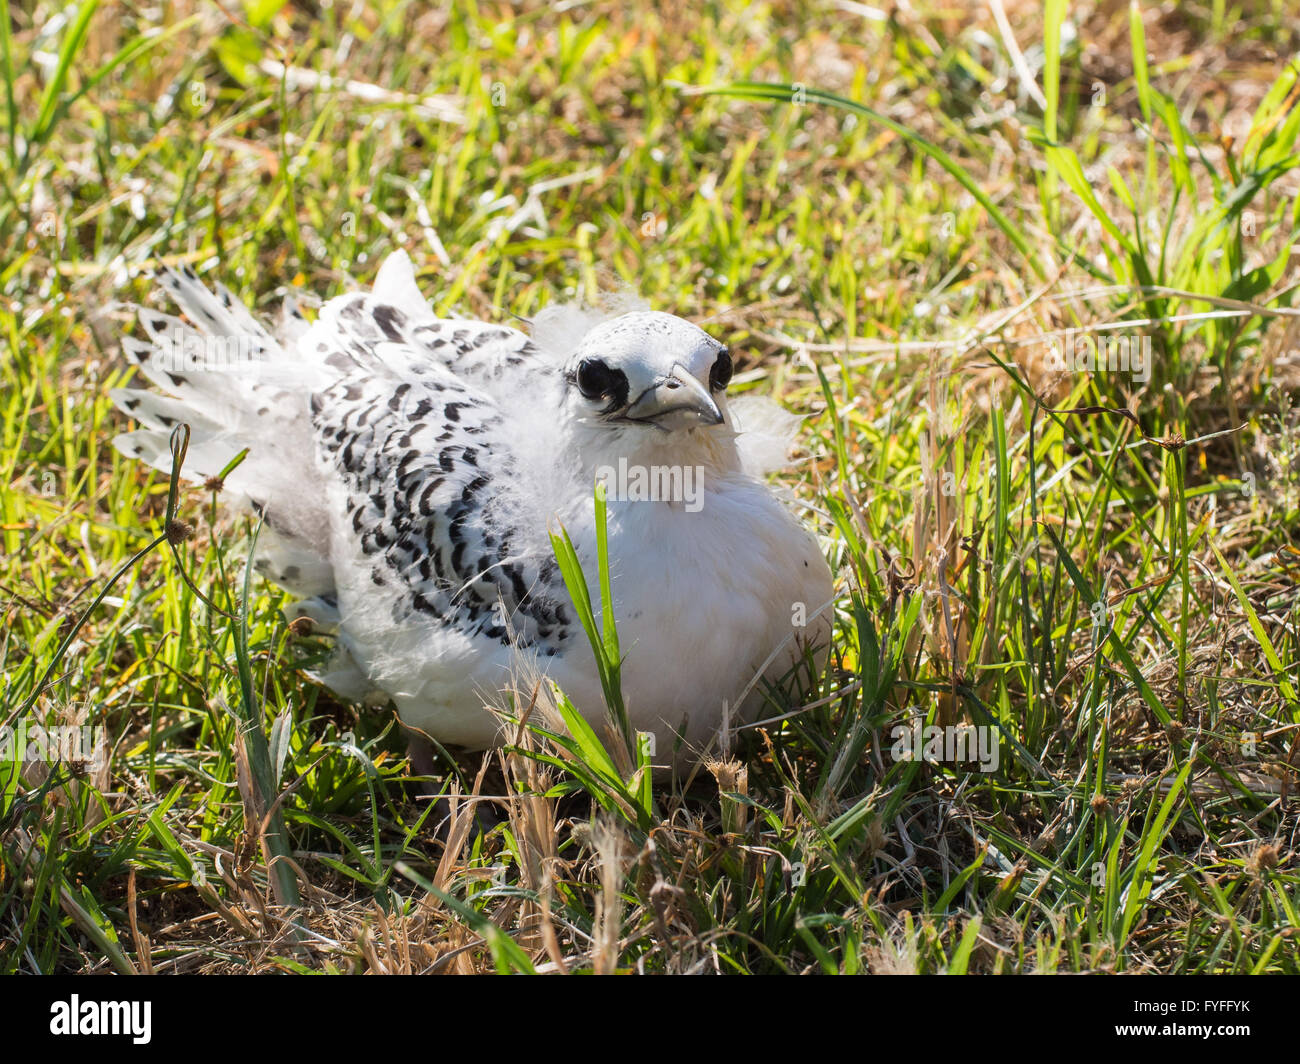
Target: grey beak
point(676, 401)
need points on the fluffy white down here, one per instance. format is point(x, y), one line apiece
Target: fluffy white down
point(705, 601)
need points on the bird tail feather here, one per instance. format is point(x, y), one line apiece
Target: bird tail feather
point(237, 387)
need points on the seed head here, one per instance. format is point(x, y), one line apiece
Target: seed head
point(178, 531)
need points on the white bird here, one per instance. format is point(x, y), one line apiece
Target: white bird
point(409, 469)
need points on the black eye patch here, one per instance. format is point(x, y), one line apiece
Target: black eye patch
point(720, 374)
point(595, 380)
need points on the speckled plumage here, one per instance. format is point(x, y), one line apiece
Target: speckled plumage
point(410, 468)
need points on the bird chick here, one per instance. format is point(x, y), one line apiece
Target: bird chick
point(409, 469)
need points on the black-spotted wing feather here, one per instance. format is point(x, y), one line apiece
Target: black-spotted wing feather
point(427, 460)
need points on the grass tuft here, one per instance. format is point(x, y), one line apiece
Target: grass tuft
point(916, 232)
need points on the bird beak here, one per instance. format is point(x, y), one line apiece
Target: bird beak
point(675, 401)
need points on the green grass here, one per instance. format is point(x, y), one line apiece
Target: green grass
point(890, 234)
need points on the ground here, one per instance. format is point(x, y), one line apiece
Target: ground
point(911, 224)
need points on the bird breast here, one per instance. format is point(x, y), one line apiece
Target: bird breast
point(702, 599)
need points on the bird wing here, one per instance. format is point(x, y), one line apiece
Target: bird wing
point(378, 434)
point(418, 430)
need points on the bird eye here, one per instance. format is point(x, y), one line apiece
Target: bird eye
point(720, 374)
point(594, 378)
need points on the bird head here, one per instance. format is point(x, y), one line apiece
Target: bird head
point(648, 372)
